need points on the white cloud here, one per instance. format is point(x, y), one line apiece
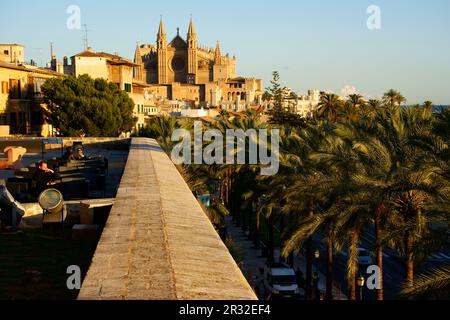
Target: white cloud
point(349, 90)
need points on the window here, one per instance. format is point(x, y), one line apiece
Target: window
point(3, 119)
point(14, 86)
point(127, 87)
point(38, 82)
point(6, 52)
point(5, 87)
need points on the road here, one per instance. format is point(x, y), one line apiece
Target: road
point(393, 266)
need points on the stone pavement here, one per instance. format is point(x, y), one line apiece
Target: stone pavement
point(158, 243)
point(253, 260)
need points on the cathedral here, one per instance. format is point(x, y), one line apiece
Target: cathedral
point(183, 70)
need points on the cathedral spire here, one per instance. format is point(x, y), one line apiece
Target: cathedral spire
point(137, 54)
point(218, 54)
point(138, 69)
point(161, 30)
point(191, 31)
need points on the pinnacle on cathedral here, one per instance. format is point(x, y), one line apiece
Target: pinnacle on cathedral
point(191, 31)
point(137, 55)
point(161, 30)
point(218, 55)
point(138, 72)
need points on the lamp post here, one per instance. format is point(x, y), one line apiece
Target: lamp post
point(220, 190)
point(317, 257)
point(360, 282)
point(316, 279)
point(317, 254)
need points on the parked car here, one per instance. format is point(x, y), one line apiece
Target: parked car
point(364, 257)
point(280, 281)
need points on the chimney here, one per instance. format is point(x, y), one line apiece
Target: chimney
point(53, 64)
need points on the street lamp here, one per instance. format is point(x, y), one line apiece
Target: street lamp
point(317, 254)
point(360, 282)
point(316, 279)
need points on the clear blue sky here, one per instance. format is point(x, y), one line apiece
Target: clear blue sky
point(321, 44)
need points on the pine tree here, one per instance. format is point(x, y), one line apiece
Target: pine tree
point(82, 106)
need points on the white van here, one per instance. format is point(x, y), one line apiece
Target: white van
point(280, 280)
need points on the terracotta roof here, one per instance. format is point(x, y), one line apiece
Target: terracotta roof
point(110, 57)
point(29, 69)
point(12, 45)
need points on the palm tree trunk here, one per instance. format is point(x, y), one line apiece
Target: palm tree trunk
point(352, 264)
point(251, 222)
point(409, 253)
point(378, 236)
point(271, 244)
point(257, 231)
point(329, 291)
point(309, 261)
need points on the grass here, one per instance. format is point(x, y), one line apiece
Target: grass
point(34, 267)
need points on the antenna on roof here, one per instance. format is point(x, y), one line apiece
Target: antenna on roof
point(85, 37)
point(51, 50)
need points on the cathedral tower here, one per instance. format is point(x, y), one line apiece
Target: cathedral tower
point(219, 68)
point(192, 54)
point(138, 70)
point(162, 54)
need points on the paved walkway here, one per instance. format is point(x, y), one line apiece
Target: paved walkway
point(158, 243)
point(253, 260)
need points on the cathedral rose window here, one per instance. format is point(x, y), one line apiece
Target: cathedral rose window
point(178, 64)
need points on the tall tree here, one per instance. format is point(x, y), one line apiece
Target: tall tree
point(280, 114)
point(86, 107)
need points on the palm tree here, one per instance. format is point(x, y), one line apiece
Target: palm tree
point(296, 174)
point(161, 129)
point(434, 284)
point(393, 98)
point(329, 201)
point(372, 107)
point(356, 102)
point(408, 183)
point(428, 105)
point(330, 107)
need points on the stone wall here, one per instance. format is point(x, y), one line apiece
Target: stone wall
point(158, 243)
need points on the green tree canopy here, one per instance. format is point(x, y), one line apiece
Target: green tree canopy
point(82, 106)
point(278, 114)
